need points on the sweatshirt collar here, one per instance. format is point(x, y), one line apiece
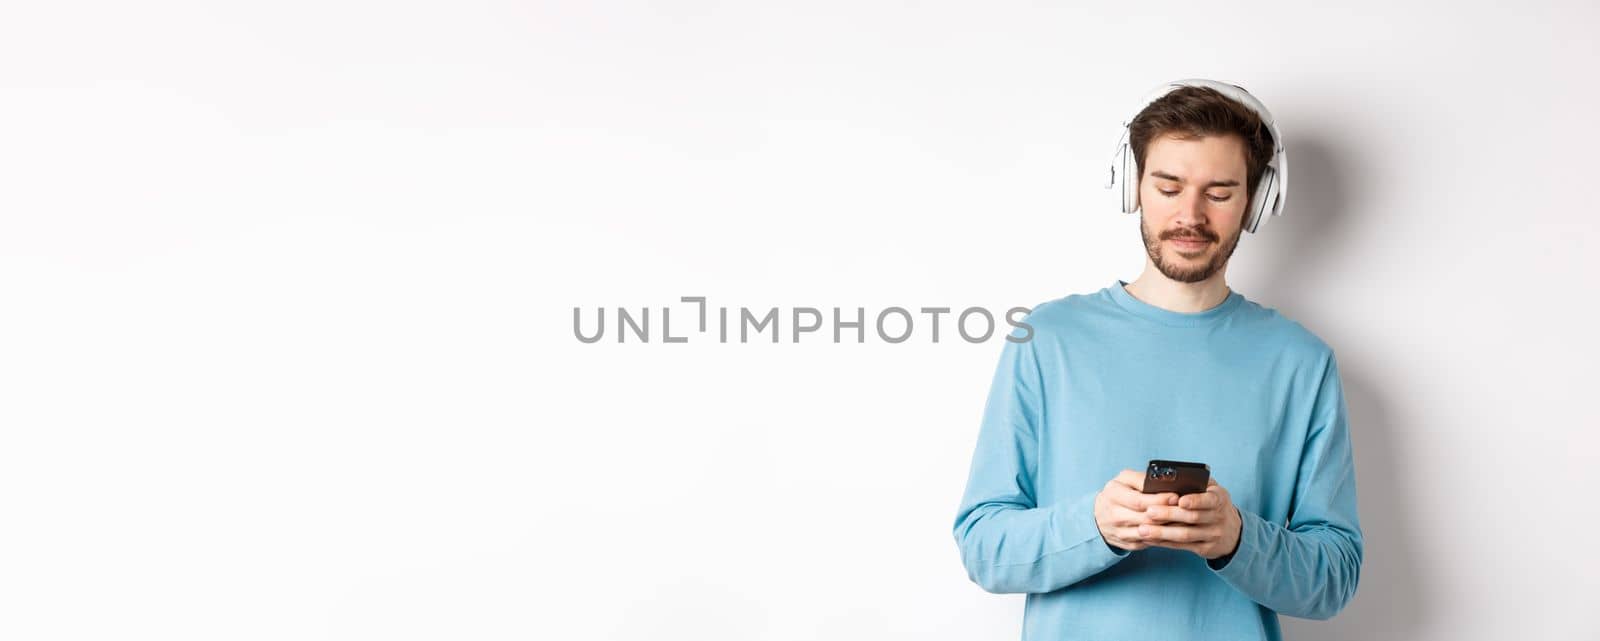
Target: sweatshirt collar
point(1139, 308)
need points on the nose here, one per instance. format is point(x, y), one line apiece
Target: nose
point(1191, 210)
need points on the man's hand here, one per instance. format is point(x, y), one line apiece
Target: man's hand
point(1205, 523)
point(1120, 510)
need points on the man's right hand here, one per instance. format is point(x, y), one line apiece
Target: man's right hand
point(1119, 509)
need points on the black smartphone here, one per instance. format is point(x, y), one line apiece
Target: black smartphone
point(1182, 477)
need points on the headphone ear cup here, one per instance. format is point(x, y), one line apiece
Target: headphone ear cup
point(1130, 181)
point(1266, 195)
point(1118, 178)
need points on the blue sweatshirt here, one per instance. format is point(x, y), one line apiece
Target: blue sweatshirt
point(1108, 382)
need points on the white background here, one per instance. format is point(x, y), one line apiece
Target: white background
point(286, 298)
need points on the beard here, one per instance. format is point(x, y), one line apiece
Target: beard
point(1188, 269)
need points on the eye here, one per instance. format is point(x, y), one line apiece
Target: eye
point(1216, 199)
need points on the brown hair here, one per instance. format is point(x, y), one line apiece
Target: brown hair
point(1191, 112)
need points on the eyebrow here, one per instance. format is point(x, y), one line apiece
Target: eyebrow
point(1214, 183)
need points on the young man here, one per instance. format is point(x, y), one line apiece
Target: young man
point(1178, 366)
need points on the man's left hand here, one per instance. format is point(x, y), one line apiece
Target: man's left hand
point(1204, 523)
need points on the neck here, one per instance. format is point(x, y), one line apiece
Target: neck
point(1155, 288)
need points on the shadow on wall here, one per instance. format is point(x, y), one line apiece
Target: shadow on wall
point(1389, 601)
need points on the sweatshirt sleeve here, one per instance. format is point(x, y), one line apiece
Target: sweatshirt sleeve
point(1009, 543)
point(1309, 568)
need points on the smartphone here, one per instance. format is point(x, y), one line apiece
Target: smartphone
point(1182, 477)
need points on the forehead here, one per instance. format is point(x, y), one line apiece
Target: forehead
point(1204, 159)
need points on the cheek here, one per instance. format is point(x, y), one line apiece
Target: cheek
point(1156, 208)
point(1226, 216)
point(1237, 205)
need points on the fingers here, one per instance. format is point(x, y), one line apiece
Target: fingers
point(1135, 520)
point(1132, 545)
point(1208, 500)
point(1121, 492)
point(1170, 514)
point(1161, 514)
point(1165, 534)
point(1123, 516)
point(1125, 490)
point(1118, 522)
point(1139, 501)
point(1128, 534)
point(1118, 515)
point(1119, 525)
point(1131, 478)
point(1214, 497)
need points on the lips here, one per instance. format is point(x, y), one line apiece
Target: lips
point(1189, 243)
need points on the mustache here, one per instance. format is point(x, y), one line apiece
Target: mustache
point(1197, 234)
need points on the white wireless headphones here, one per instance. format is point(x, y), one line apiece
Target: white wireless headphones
point(1270, 191)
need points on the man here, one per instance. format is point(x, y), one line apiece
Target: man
point(1175, 365)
